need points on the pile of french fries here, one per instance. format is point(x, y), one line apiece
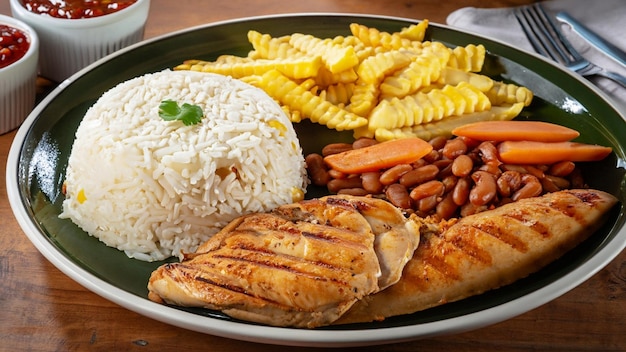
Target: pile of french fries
point(379, 85)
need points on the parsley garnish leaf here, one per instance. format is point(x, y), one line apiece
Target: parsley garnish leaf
point(169, 110)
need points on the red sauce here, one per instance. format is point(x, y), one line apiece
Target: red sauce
point(13, 45)
point(74, 9)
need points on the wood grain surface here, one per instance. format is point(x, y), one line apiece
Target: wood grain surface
point(41, 309)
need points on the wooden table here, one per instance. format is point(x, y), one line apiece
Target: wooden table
point(41, 309)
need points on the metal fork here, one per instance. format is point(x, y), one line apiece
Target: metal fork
point(547, 40)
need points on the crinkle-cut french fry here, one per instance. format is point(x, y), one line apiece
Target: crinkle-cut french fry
point(252, 80)
point(363, 51)
point(508, 93)
point(197, 65)
point(299, 67)
point(185, 65)
point(349, 40)
point(374, 37)
point(443, 127)
point(289, 93)
point(364, 98)
point(365, 83)
point(337, 58)
point(476, 99)
point(194, 65)
point(436, 48)
point(415, 32)
point(340, 93)
point(468, 58)
point(325, 78)
point(453, 76)
point(309, 84)
point(268, 47)
point(421, 108)
point(375, 68)
point(421, 72)
point(230, 59)
point(295, 116)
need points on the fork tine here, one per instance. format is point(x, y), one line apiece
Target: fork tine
point(527, 22)
point(543, 34)
point(548, 40)
point(562, 44)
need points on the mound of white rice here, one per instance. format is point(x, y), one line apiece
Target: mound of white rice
point(154, 188)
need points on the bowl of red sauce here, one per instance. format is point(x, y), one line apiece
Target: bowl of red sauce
point(19, 50)
point(75, 33)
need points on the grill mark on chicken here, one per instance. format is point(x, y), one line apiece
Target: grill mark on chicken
point(237, 289)
point(541, 229)
point(434, 253)
point(205, 277)
point(466, 242)
point(306, 264)
point(527, 218)
point(254, 256)
point(531, 221)
point(500, 233)
point(312, 260)
point(287, 236)
point(239, 265)
point(272, 263)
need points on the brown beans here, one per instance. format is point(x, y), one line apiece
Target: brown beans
point(427, 189)
point(449, 182)
point(470, 209)
point(438, 142)
point(485, 188)
point(509, 182)
point(398, 196)
point(426, 205)
point(336, 148)
point(393, 174)
point(461, 191)
point(354, 191)
point(419, 175)
point(548, 185)
point(316, 169)
point(337, 184)
point(363, 142)
point(488, 153)
point(371, 182)
point(432, 157)
point(535, 171)
point(446, 208)
point(491, 168)
point(560, 182)
point(336, 174)
point(562, 168)
point(462, 166)
point(454, 147)
point(531, 187)
point(458, 177)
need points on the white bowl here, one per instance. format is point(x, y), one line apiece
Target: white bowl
point(18, 81)
point(68, 45)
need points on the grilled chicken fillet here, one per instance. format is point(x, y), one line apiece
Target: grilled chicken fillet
point(302, 265)
point(485, 251)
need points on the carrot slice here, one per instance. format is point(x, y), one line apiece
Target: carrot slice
point(532, 152)
point(379, 156)
point(513, 130)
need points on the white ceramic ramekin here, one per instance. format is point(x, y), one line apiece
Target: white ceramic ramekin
point(18, 81)
point(68, 45)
